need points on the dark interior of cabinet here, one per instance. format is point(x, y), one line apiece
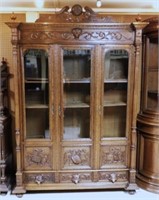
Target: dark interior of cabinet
point(77, 64)
point(116, 65)
point(36, 93)
point(37, 123)
point(76, 123)
point(36, 64)
point(115, 93)
point(114, 122)
point(76, 94)
point(153, 77)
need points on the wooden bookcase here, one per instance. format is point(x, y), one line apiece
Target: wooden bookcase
point(148, 118)
point(77, 87)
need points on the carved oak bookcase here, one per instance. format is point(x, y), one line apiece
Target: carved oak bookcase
point(77, 85)
point(148, 118)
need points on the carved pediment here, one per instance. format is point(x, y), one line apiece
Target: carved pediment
point(76, 14)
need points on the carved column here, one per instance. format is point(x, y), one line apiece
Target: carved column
point(136, 101)
point(16, 67)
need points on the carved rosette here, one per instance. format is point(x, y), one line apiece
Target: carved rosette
point(39, 178)
point(76, 157)
point(113, 155)
point(75, 177)
point(113, 176)
point(37, 158)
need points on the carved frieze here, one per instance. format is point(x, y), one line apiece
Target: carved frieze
point(113, 155)
point(77, 33)
point(37, 158)
point(76, 157)
point(113, 176)
point(75, 177)
point(39, 178)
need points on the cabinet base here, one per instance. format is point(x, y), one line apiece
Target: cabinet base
point(3, 189)
point(146, 185)
point(19, 191)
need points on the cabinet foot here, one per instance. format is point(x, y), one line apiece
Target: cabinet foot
point(19, 191)
point(132, 192)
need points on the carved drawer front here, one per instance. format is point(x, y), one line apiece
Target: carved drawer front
point(38, 158)
point(76, 157)
point(113, 177)
point(39, 178)
point(76, 177)
point(113, 156)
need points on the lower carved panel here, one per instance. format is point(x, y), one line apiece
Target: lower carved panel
point(38, 158)
point(78, 157)
point(113, 156)
point(40, 178)
point(113, 176)
point(76, 177)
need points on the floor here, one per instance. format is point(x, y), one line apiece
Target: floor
point(100, 195)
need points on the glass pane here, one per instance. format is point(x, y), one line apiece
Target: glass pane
point(76, 98)
point(115, 93)
point(153, 78)
point(36, 93)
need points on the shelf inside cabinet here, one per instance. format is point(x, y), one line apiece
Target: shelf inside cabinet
point(115, 81)
point(84, 80)
point(76, 105)
point(36, 106)
point(153, 92)
point(36, 80)
point(113, 104)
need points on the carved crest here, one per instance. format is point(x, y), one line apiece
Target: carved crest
point(74, 15)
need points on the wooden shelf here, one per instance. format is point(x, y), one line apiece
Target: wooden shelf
point(76, 105)
point(113, 104)
point(86, 80)
point(36, 106)
point(36, 80)
point(115, 81)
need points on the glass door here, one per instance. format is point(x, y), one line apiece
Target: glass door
point(76, 93)
point(36, 85)
point(115, 83)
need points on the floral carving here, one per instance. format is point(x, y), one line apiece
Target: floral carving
point(38, 157)
point(76, 157)
point(113, 155)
